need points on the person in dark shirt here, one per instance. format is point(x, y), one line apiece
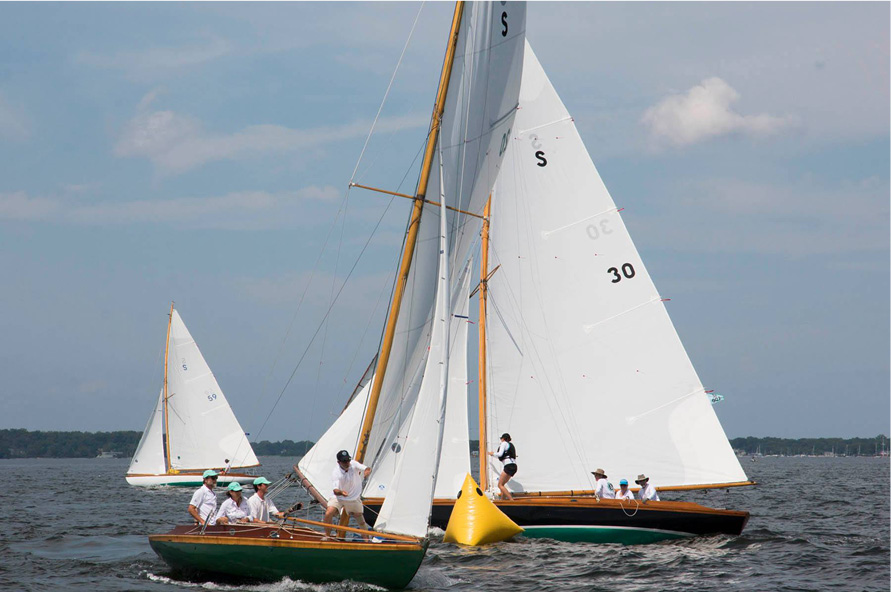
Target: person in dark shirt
point(507, 454)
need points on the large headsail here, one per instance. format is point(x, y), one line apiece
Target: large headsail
point(318, 463)
point(480, 106)
point(454, 457)
point(406, 508)
point(202, 430)
point(149, 457)
point(585, 368)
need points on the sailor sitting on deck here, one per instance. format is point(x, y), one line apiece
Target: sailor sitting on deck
point(236, 508)
point(624, 493)
point(203, 504)
point(603, 488)
point(647, 492)
point(347, 477)
point(261, 507)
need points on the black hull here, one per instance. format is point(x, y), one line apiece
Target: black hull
point(585, 519)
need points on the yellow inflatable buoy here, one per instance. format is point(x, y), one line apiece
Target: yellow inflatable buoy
point(475, 520)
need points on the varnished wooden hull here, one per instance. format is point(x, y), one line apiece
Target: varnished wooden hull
point(271, 553)
point(585, 519)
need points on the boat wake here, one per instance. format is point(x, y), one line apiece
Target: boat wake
point(283, 585)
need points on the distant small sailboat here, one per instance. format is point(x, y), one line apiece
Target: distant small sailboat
point(192, 427)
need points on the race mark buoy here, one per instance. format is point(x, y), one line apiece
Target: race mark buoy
point(475, 520)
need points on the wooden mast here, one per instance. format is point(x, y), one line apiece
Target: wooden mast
point(166, 424)
point(411, 236)
point(484, 290)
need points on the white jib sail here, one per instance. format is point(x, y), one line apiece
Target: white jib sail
point(585, 367)
point(454, 458)
point(318, 463)
point(406, 507)
point(479, 111)
point(202, 430)
point(149, 458)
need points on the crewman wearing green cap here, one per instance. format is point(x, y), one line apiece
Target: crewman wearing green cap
point(204, 500)
point(261, 507)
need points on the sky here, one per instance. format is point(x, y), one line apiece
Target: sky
point(201, 153)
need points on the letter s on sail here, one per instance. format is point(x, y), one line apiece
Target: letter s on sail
point(504, 23)
point(542, 161)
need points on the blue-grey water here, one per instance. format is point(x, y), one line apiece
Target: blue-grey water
point(817, 524)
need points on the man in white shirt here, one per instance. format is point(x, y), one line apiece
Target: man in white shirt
point(261, 507)
point(647, 492)
point(347, 479)
point(603, 489)
point(204, 501)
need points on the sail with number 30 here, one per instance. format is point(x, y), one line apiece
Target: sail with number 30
point(583, 359)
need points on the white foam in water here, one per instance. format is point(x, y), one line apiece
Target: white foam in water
point(284, 585)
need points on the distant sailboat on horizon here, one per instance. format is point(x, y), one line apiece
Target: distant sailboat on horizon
point(192, 427)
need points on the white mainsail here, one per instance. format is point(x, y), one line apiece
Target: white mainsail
point(480, 107)
point(149, 457)
point(202, 430)
point(585, 368)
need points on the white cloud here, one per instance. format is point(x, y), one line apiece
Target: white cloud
point(177, 143)
point(157, 62)
point(702, 113)
point(14, 124)
point(246, 209)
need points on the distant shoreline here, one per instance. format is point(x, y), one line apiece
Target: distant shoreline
point(21, 443)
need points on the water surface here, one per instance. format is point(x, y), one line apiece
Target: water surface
point(817, 524)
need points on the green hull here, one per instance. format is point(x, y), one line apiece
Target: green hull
point(362, 562)
point(603, 534)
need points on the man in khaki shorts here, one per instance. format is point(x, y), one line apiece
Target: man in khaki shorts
point(347, 477)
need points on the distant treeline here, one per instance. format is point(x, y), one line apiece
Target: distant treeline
point(812, 446)
point(27, 444)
